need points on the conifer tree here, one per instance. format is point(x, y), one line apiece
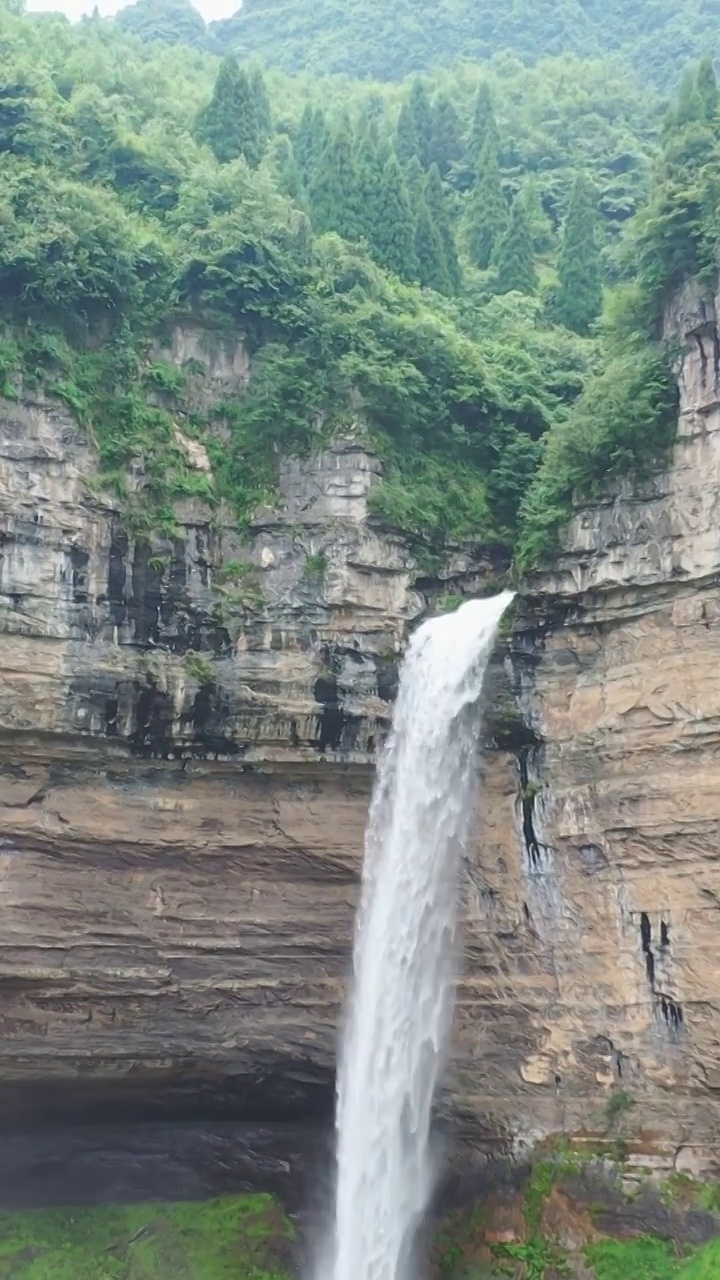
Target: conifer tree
point(393, 236)
point(487, 212)
point(333, 191)
point(431, 265)
point(541, 229)
point(688, 105)
point(262, 104)
point(421, 112)
point(483, 129)
point(407, 143)
point(229, 123)
point(446, 135)
point(707, 89)
point(287, 170)
point(415, 181)
point(579, 296)
point(437, 204)
point(513, 259)
point(368, 170)
point(310, 140)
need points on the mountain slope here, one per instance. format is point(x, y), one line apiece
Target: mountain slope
point(377, 38)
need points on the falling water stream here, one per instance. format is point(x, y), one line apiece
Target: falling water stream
point(401, 1002)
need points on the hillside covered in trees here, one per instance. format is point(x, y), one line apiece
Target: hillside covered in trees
point(470, 263)
point(376, 39)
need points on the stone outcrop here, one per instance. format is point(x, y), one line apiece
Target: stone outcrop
point(187, 733)
point(615, 964)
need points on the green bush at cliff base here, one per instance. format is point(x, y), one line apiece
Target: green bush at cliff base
point(648, 1258)
point(219, 1240)
point(705, 1265)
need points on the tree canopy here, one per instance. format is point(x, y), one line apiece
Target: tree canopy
point(472, 262)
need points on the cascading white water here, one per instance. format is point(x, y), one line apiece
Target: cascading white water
point(401, 1003)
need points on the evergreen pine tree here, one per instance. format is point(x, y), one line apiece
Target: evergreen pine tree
point(688, 105)
point(432, 269)
point(310, 140)
point(229, 123)
point(333, 191)
point(446, 140)
point(393, 235)
point(513, 259)
point(421, 112)
point(579, 296)
point(368, 170)
point(262, 104)
point(707, 89)
point(437, 204)
point(287, 170)
point(487, 212)
point(483, 130)
point(415, 181)
point(541, 229)
point(407, 143)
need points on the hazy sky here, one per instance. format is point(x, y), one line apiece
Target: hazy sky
point(76, 8)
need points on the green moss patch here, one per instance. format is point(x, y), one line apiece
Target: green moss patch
point(238, 1238)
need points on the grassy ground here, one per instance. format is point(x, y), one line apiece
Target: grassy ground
point(649, 1259)
point(238, 1238)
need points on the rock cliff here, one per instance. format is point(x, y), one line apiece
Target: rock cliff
point(187, 733)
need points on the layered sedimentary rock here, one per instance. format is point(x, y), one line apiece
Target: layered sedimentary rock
point(187, 732)
point(608, 967)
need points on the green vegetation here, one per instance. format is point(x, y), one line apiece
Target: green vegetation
point(220, 1240)
point(472, 264)
point(465, 1244)
point(645, 1258)
point(369, 38)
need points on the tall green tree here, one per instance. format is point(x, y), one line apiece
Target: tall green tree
point(446, 135)
point(393, 235)
point(287, 171)
point(230, 123)
point(262, 104)
point(415, 180)
point(422, 120)
point(333, 192)
point(484, 131)
point(437, 204)
point(432, 269)
point(310, 140)
point(369, 179)
point(579, 296)
point(707, 89)
point(487, 212)
point(513, 258)
point(407, 142)
point(541, 229)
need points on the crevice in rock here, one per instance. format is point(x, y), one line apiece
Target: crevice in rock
point(79, 561)
point(664, 934)
point(671, 1011)
point(646, 944)
point(534, 848)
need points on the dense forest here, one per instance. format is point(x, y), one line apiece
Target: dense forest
point(377, 39)
point(372, 39)
point(471, 264)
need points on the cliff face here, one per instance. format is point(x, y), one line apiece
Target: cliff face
point(186, 738)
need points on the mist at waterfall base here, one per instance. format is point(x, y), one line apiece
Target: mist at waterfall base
point(400, 1004)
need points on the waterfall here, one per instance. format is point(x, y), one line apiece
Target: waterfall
point(400, 1006)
